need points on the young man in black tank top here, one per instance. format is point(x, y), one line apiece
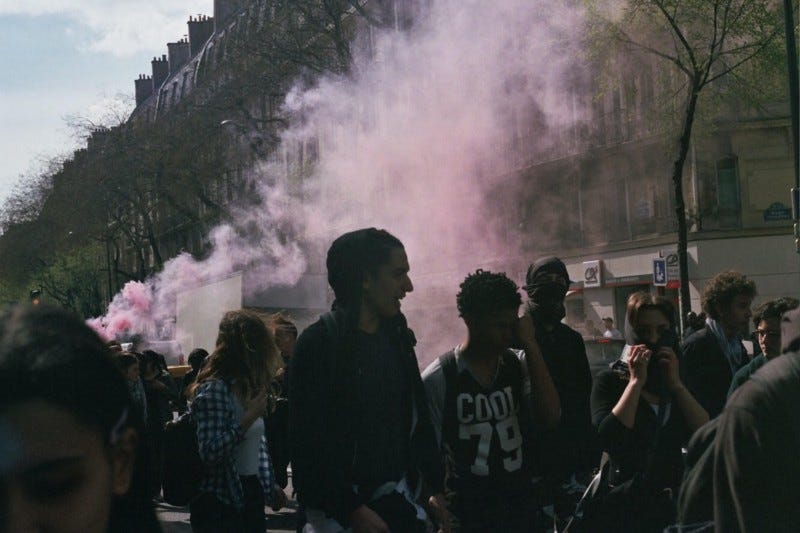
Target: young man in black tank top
point(483, 397)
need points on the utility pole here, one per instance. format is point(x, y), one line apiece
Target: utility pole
point(794, 97)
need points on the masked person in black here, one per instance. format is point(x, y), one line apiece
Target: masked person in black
point(569, 448)
point(644, 416)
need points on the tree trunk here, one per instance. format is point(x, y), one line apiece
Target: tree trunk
point(680, 203)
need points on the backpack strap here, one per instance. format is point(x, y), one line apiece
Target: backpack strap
point(511, 357)
point(450, 371)
point(332, 328)
point(651, 452)
point(334, 339)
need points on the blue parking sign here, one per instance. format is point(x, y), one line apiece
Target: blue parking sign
point(660, 272)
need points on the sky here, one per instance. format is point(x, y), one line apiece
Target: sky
point(61, 58)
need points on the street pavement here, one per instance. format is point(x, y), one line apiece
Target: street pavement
point(176, 519)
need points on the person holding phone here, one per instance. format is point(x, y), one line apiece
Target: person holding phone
point(229, 402)
point(644, 416)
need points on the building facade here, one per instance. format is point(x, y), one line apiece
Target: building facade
point(599, 196)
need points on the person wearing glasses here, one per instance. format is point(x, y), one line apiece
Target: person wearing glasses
point(767, 320)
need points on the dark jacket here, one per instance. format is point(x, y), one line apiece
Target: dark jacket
point(571, 446)
point(322, 416)
point(746, 371)
point(705, 371)
point(159, 402)
point(629, 448)
point(756, 464)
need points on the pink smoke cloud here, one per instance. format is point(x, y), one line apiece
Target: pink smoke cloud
point(415, 140)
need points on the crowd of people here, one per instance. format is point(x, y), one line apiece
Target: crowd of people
point(501, 433)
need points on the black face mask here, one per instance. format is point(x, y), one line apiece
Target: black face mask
point(547, 302)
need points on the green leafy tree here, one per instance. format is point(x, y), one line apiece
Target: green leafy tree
point(733, 48)
point(74, 279)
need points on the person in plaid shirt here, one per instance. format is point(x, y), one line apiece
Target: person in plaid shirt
point(230, 400)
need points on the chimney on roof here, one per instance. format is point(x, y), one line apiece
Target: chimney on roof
point(144, 88)
point(200, 30)
point(97, 139)
point(160, 71)
point(223, 10)
point(178, 55)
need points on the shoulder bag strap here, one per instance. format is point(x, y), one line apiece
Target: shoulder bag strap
point(651, 452)
point(450, 372)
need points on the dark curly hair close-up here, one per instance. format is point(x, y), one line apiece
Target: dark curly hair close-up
point(723, 288)
point(485, 292)
point(774, 309)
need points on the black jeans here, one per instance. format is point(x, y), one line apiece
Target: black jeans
point(209, 515)
point(493, 512)
point(278, 436)
point(398, 513)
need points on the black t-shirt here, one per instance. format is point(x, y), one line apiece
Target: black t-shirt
point(382, 411)
point(484, 428)
point(571, 446)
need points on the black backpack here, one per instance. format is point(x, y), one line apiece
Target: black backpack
point(183, 468)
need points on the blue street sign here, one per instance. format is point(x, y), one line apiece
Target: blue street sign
point(660, 272)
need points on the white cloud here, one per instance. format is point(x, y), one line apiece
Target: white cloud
point(118, 27)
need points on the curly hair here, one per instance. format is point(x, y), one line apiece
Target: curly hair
point(774, 309)
point(723, 288)
point(486, 292)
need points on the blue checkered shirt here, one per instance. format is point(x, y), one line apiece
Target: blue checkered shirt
point(218, 434)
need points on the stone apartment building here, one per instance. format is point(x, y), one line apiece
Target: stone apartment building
point(611, 204)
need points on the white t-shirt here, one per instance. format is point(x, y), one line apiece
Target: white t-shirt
point(246, 452)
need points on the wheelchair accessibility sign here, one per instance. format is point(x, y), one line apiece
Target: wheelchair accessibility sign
point(660, 272)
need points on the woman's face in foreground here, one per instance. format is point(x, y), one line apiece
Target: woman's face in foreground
point(65, 475)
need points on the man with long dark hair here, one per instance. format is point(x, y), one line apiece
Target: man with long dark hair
point(362, 442)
